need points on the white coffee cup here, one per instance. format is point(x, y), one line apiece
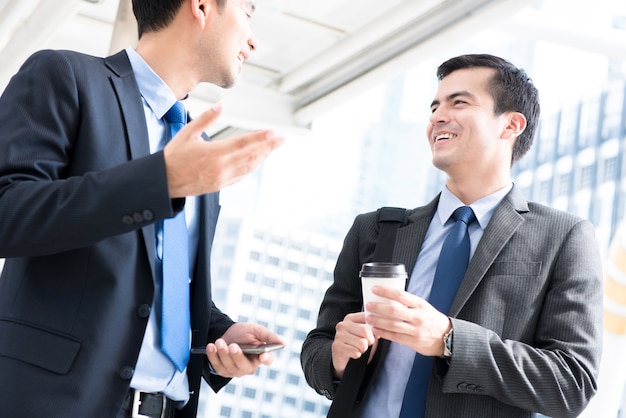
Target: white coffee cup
point(386, 274)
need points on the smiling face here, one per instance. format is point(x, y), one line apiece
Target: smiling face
point(465, 135)
point(227, 42)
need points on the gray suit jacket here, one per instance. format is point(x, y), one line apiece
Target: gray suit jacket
point(527, 317)
point(79, 196)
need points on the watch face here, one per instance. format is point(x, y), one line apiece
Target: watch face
point(447, 345)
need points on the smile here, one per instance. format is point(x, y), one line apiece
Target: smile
point(444, 136)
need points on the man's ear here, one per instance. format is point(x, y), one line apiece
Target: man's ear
point(516, 123)
point(200, 8)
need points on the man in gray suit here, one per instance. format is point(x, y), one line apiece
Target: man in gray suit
point(523, 334)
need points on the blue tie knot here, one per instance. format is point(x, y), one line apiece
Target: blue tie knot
point(464, 214)
point(176, 114)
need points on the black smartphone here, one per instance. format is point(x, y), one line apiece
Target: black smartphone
point(262, 348)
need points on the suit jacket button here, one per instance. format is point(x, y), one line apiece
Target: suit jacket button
point(127, 220)
point(137, 217)
point(148, 215)
point(143, 311)
point(127, 372)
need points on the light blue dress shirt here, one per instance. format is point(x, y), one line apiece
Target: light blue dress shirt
point(154, 371)
point(387, 391)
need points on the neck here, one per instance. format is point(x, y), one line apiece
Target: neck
point(169, 60)
point(469, 190)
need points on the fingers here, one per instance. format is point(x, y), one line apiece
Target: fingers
point(230, 361)
point(245, 153)
point(200, 124)
point(352, 339)
point(194, 166)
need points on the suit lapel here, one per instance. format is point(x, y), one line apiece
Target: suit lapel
point(131, 107)
point(409, 238)
point(505, 221)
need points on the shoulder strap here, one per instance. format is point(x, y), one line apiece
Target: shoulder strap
point(351, 385)
point(389, 220)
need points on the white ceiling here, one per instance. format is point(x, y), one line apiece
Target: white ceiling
point(312, 55)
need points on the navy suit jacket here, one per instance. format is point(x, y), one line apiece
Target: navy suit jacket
point(79, 196)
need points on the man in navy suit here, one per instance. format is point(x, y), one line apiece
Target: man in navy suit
point(84, 182)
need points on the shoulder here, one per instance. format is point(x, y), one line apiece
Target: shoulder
point(61, 58)
point(550, 215)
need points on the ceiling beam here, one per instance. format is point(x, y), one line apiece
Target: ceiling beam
point(452, 22)
point(353, 45)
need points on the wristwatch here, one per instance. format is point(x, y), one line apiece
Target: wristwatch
point(447, 345)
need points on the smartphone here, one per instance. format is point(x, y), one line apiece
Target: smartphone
point(258, 349)
point(246, 348)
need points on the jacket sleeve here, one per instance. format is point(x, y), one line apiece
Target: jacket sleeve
point(341, 298)
point(66, 179)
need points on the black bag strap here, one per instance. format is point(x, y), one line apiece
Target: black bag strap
point(389, 220)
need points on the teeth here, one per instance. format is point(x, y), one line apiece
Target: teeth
point(444, 136)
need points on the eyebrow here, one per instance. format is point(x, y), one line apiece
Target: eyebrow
point(450, 97)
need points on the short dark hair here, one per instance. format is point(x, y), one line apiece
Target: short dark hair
point(511, 89)
point(153, 15)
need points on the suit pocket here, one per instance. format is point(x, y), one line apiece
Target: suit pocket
point(514, 268)
point(36, 346)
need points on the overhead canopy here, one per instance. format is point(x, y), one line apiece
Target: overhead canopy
point(312, 55)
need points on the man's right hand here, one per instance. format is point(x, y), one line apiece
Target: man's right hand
point(352, 338)
point(195, 166)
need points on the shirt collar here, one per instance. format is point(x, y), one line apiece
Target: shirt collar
point(158, 96)
point(483, 208)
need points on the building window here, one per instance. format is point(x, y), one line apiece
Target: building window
point(226, 411)
point(291, 266)
point(251, 277)
point(255, 256)
point(585, 180)
point(269, 282)
point(303, 313)
point(293, 379)
point(273, 261)
point(544, 192)
point(268, 397)
point(311, 271)
point(290, 400)
point(245, 298)
point(609, 169)
point(308, 406)
point(228, 251)
point(249, 393)
point(265, 303)
point(563, 184)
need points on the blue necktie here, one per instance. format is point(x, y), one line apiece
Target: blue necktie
point(451, 267)
point(175, 322)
